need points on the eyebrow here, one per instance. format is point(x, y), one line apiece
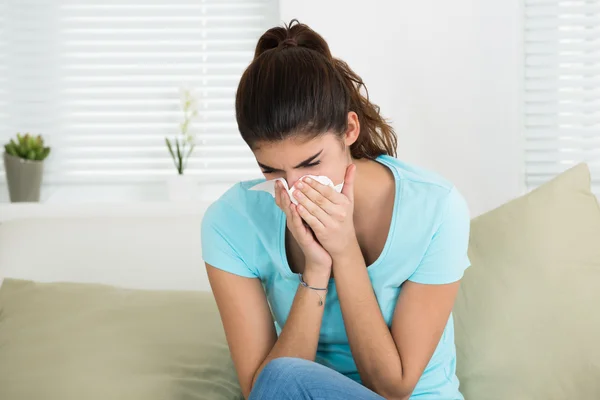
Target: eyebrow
point(302, 164)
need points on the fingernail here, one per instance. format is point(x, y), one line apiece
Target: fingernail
point(299, 185)
point(307, 180)
point(298, 194)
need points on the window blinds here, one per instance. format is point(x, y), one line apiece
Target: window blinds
point(101, 79)
point(3, 73)
point(562, 88)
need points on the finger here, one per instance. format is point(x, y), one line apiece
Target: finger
point(322, 195)
point(298, 225)
point(348, 189)
point(285, 197)
point(311, 220)
point(281, 197)
point(313, 208)
point(328, 192)
point(277, 196)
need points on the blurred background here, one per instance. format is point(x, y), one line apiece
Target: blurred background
point(498, 96)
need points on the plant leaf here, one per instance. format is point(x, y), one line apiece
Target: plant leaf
point(44, 153)
point(179, 158)
point(10, 149)
point(22, 148)
point(188, 155)
point(27, 146)
point(191, 149)
point(170, 147)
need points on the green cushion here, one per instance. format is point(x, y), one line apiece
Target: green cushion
point(62, 341)
point(527, 317)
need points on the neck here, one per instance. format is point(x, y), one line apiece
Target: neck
point(372, 185)
point(361, 184)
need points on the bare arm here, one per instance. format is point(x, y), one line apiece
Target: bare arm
point(246, 315)
point(393, 364)
point(250, 329)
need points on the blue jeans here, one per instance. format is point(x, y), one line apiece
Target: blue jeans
point(298, 379)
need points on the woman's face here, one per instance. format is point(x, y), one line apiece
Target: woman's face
point(295, 157)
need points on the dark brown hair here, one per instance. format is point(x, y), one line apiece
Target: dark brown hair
point(295, 86)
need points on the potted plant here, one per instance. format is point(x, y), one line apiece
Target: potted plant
point(180, 148)
point(24, 167)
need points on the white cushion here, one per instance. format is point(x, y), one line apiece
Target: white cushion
point(139, 252)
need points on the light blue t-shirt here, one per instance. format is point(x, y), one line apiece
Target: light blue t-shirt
point(243, 233)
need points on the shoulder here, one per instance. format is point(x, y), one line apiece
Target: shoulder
point(238, 201)
point(417, 175)
point(426, 194)
point(241, 212)
point(433, 221)
point(232, 230)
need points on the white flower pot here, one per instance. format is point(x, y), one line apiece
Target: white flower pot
point(182, 188)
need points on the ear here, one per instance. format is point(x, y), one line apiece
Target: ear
point(353, 130)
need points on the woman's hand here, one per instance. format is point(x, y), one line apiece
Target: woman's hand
point(329, 213)
point(317, 259)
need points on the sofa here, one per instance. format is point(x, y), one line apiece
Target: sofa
point(113, 302)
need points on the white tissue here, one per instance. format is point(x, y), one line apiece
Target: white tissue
point(269, 186)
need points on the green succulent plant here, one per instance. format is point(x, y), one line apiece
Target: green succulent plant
point(27, 147)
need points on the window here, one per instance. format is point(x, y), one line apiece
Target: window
point(562, 88)
point(3, 73)
point(101, 79)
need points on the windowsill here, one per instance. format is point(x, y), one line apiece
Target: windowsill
point(116, 193)
point(109, 200)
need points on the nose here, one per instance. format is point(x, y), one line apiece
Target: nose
point(292, 178)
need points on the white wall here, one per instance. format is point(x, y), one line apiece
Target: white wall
point(446, 73)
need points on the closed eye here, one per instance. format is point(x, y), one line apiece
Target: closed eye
point(314, 164)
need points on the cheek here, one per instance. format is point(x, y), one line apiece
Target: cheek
point(335, 172)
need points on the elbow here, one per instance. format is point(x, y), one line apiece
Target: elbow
point(402, 396)
point(395, 389)
point(397, 394)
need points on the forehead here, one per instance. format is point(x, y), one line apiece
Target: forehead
point(287, 144)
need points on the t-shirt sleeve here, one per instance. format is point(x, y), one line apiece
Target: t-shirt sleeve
point(446, 257)
point(226, 244)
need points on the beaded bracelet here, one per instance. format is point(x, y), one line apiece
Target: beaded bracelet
point(317, 290)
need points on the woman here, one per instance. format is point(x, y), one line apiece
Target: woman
point(345, 295)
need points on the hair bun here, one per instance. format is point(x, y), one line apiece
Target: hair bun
point(289, 42)
point(294, 34)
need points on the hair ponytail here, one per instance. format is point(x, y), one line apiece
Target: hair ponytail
point(376, 135)
point(295, 86)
